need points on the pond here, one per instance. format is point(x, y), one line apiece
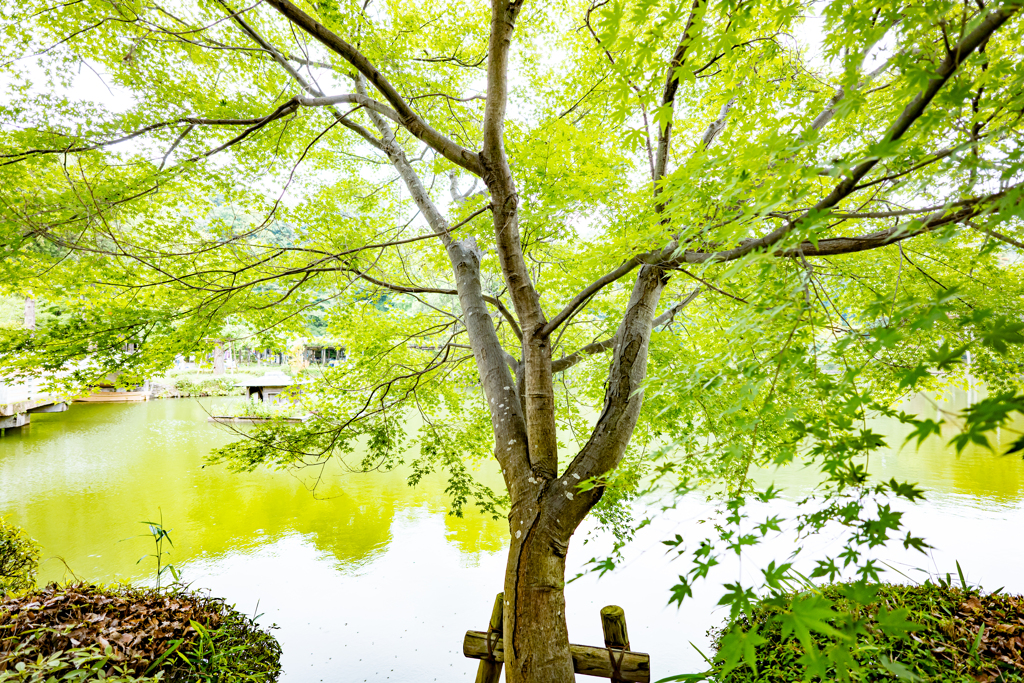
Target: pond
point(368, 579)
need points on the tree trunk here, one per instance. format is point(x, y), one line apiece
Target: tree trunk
point(535, 633)
point(218, 359)
point(30, 313)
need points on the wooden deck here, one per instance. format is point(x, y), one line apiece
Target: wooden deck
point(113, 397)
point(19, 401)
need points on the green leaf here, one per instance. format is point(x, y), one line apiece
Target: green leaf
point(894, 622)
point(807, 614)
point(738, 647)
point(905, 490)
point(924, 429)
point(897, 669)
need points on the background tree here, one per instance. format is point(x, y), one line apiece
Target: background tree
point(830, 191)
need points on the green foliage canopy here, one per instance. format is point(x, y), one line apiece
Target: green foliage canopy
point(774, 219)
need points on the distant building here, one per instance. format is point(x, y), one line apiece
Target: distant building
point(322, 352)
point(273, 387)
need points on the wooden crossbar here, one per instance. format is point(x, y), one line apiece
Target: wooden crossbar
point(589, 661)
point(615, 661)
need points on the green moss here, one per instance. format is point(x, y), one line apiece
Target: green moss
point(955, 635)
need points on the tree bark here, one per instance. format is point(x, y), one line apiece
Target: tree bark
point(535, 631)
point(218, 359)
point(30, 313)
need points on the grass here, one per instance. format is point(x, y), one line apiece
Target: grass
point(259, 409)
point(956, 634)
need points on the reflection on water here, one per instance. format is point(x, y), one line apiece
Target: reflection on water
point(372, 580)
point(976, 477)
point(84, 479)
point(81, 481)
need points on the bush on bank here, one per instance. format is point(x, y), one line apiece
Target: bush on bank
point(928, 633)
point(211, 386)
point(19, 560)
point(82, 632)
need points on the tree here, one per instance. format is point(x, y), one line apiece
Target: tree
point(841, 193)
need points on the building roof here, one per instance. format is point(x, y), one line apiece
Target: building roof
point(274, 378)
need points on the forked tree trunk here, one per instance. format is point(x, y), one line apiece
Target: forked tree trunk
point(546, 512)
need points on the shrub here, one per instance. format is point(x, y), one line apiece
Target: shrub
point(267, 411)
point(928, 633)
point(19, 560)
point(213, 386)
point(131, 634)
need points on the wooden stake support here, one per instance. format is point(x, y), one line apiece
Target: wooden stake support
point(613, 623)
point(614, 661)
point(489, 670)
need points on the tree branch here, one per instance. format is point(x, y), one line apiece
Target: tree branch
point(669, 95)
point(296, 76)
point(998, 235)
point(823, 119)
point(565, 362)
point(351, 98)
point(542, 434)
point(306, 62)
point(416, 289)
point(495, 377)
point(913, 111)
point(623, 396)
point(587, 292)
point(718, 125)
point(849, 245)
point(408, 118)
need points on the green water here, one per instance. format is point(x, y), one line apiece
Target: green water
point(369, 579)
point(975, 477)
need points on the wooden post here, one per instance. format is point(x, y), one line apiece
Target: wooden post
point(616, 637)
point(489, 670)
